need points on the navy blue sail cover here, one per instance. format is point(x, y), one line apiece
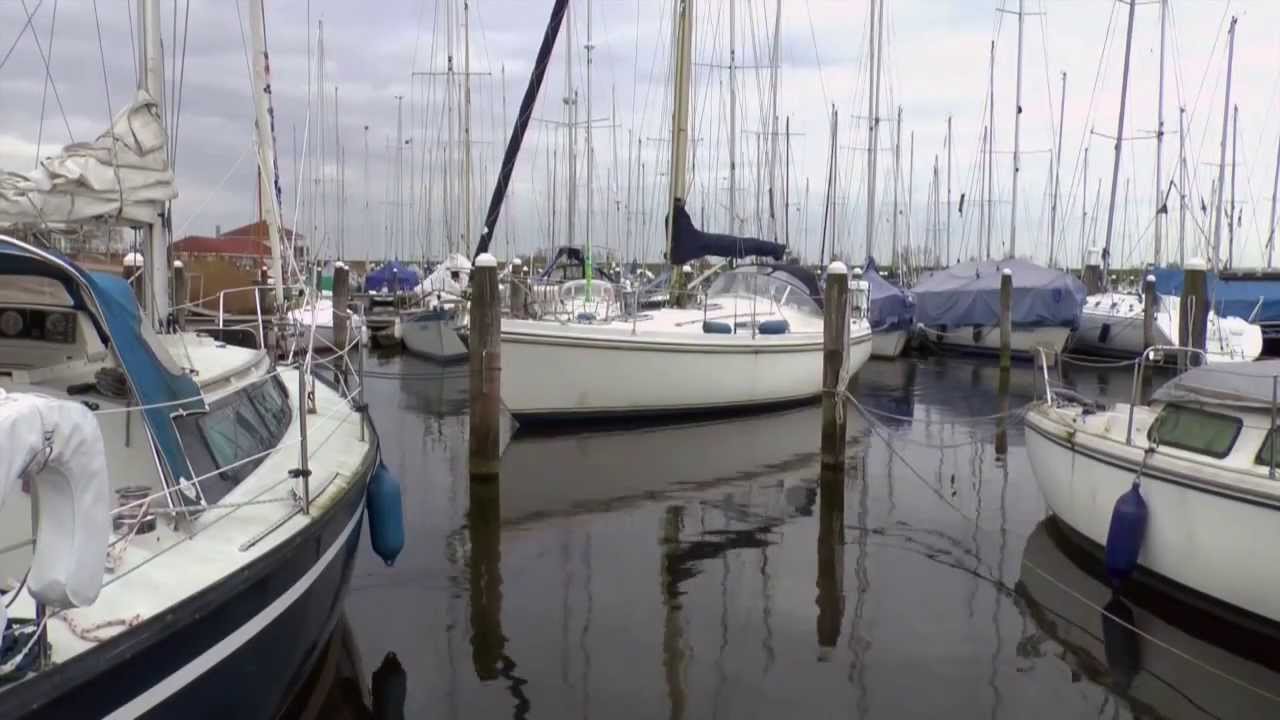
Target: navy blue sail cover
point(110, 303)
point(688, 243)
point(392, 277)
point(892, 308)
point(968, 294)
point(1254, 300)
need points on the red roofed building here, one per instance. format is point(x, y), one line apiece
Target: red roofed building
point(247, 241)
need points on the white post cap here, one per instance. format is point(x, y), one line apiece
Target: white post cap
point(133, 259)
point(516, 262)
point(1150, 278)
point(837, 268)
point(1007, 272)
point(485, 260)
point(1196, 263)
point(177, 265)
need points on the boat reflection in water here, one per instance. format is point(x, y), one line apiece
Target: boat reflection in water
point(338, 688)
point(1150, 648)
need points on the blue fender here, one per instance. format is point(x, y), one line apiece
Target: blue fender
point(386, 514)
point(1124, 537)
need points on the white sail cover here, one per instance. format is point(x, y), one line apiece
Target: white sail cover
point(57, 446)
point(123, 176)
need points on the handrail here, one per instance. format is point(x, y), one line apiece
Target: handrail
point(1155, 353)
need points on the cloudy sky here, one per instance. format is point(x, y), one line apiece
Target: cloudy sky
point(936, 64)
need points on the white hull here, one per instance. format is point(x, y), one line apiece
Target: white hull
point(1025, 342)
point(556, 370)
point(889, 344)
point(432, 336)
point(1209, 528)
point(1111, 325)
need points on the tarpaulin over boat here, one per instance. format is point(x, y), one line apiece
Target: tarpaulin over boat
point(391, 277)
point(969, 294)
point(1257, 301)
point(689, 243)
point(157, 382)
point(1248, 384)
point(122, 176)
point(891, 306)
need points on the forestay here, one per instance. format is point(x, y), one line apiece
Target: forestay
point(122, 176)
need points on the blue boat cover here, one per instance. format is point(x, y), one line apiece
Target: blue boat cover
point(689, 243)
point(969, 294)
point(119, 322)
point(392, 277)
point(892, 308)
point(1231, 298)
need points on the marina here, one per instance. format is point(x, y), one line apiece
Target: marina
point(634, 376)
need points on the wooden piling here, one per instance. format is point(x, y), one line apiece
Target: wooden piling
point(835, 344)
point(341, 309)
point(830, 583)
point(484, 531)
point(518, 291)
point(132, 272)
point(181, 296)
point(1148, 312)
point(1092, 277)
point(1006, 319)
point(485, 368)
point(1193, 316)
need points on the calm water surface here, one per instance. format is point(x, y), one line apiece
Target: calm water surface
point(709, 570)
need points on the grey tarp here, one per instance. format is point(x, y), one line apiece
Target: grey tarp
point(969, 294)
point(1241, 384)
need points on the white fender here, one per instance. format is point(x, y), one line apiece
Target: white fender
point(57, 446)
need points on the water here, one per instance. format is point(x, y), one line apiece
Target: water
point(710, 570)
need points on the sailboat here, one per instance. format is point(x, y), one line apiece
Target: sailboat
point(755, 341)
point(167, 524)
point(1112, 322)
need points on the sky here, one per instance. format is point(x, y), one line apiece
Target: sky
point(936, 64)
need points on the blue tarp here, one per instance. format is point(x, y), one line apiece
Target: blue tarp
point(892, 308)
point(392, 277)
point(1231, 298)
point(119, 323)
point(969, 294)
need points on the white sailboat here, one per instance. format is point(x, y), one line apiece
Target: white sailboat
point(756, 340)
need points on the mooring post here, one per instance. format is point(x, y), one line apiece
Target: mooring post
point(484, 531)
point(830, 583)
point(485, 368)
point(835, 343)
point(180, 295)
point(1006, 319)
point(517, 290)
point(1193, 316)
point(1148, 311)
point(132, 271)
point(1002, 421)
point(1092, 276)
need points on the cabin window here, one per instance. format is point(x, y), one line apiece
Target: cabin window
point(1196, 430)
point(1269, 453)
point(242, 425)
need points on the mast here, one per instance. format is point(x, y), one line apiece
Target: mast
point(396, 229)
point(1115, 168)
point(571, 110)
point(873, 112)
point(913, 138)
point(1017, 136)
point(1271, 234)
point(773, 114)
point(1057, 173)
point(466, 122)
point(828, 203)
point(911, 182)
point(1182, 186)
point(365, 191)
point(1231, 221)
point(1161, 213)
point(262, 128)
point(447, 189)
point(1222, 150)
point(991, 154)
point(897, 179)
point(1084, 209)
point(590, 158)
point(733, 120)
point(337, 153)
point(683, 77)
point(786, 188)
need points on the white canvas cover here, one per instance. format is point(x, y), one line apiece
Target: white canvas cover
point(123, 176)
point(57, 446)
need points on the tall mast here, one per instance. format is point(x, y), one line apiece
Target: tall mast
point(365, 191)
point(773, 115)
point(911, 181)
point(1271, 234)
point(1222, 150)
point(1231, 220)
point(337, 154)
point(828, 204)
point(262, 127)
point(991, 154)
point(449, 148)
point(466, 123)
point(1084, 209)
point(396, 226)
point(786, 187)
point(1017, 136)
point(871, 131)
point(1182, 186)
point(590, 157)
point(949, 212)
point(1057, 173)
point(683, 77)
point(733, 119)
point(897, 179)
point(1161, 213)
point(571, 110)
point(1115, 168)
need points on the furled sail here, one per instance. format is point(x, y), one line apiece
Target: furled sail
point(123, 176)
point(689, 243)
